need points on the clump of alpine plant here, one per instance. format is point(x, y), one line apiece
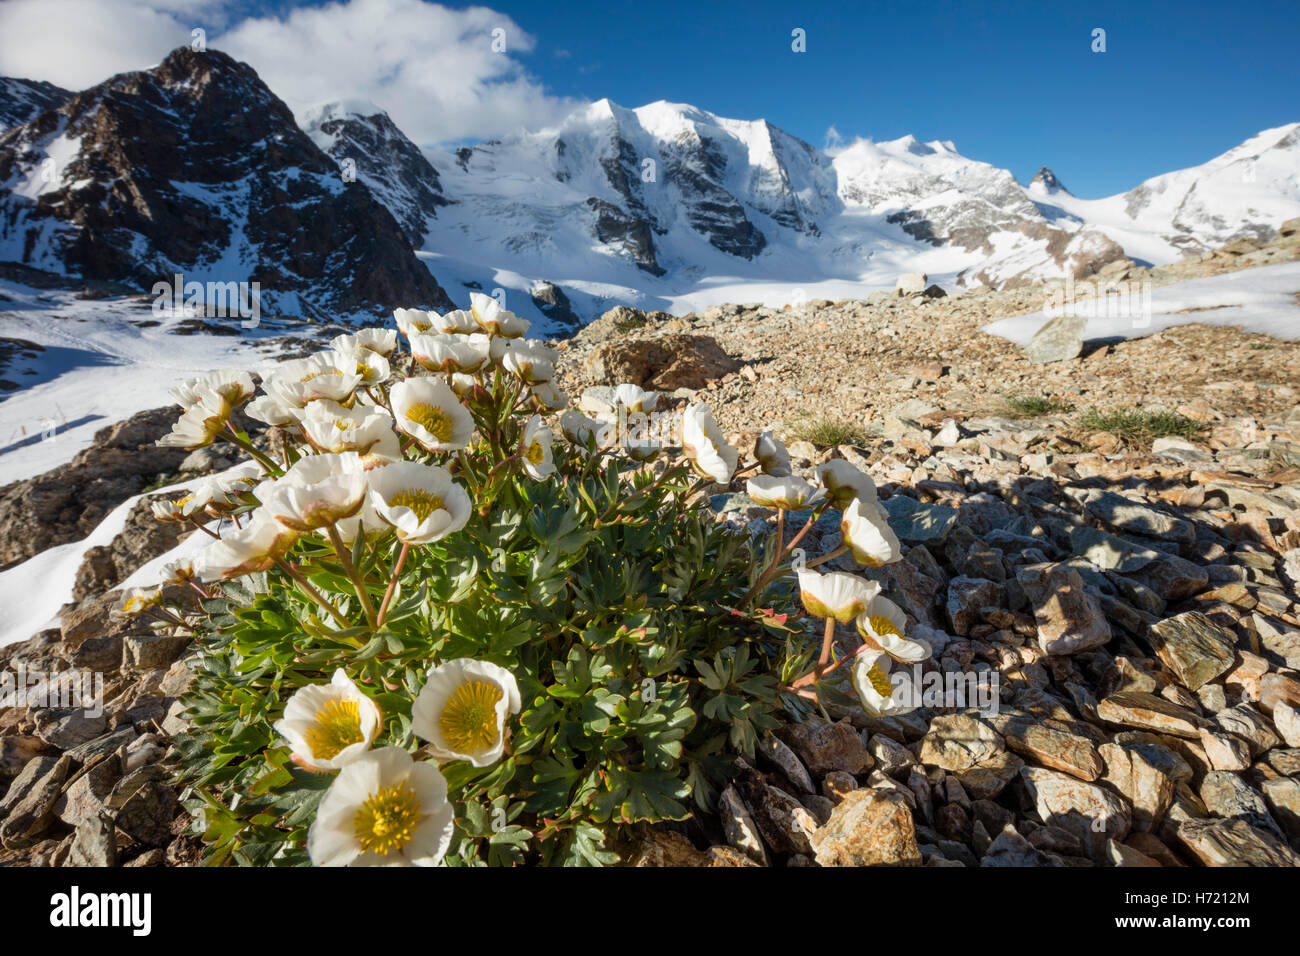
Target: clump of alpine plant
point(451, 621)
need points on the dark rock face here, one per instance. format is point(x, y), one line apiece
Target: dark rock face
point(66, 504)
point(1047, 179)
point(555, 305)
point(696, 167)
point(631, 236)
point(196, 167)
point(21, 100)
point(392, 167)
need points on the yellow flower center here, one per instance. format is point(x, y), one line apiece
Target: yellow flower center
point(137, 604)
point(535, 453)
point(882, 625)
point(432, 419)
point(182, 501)
point(423, 503)
point(327, 371)
point(880, 681)
point(337, 726)
point(469, 720)
point(387, 821)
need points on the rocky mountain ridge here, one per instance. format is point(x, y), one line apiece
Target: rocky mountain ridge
point(195, 167)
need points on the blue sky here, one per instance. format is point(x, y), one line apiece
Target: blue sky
point(1015, 84)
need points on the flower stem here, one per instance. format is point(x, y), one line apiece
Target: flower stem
point(310, 591)
point(344, 554)
point(392, 584)
point(842, 549)
point(229, 434)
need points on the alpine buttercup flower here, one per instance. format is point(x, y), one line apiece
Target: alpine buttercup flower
point(582, 431)
point(233, 387)
point(882, 626)
point(199, 425)
point(421, 502)
point(446, 352)
point(316, 492)
point(844, 484)
point(494, 319)
point(867, 533)
point(837, 594)
point(428, 411)
point(705, 446)
point(134, 602)
point(329, 725)
point(463, 708)
point(536, 449)
point(790, 493)
point(383, 809)
point(531, 361)
point(374, 339)
point(364, 429)
point(635, 398)
point(772, 455)
point(296, 382)
point(414, 321)
point(875, 689)
point(254, 547)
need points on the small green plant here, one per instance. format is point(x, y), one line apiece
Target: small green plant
point(1135, 425)
point(1032, 406)
point(431, 634)
point(827, 432)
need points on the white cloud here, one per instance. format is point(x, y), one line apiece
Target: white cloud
point(435, 70)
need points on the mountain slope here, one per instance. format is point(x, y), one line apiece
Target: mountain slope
point(1247, 191)
point(195, 167)
point(20, 99)
point(393, 168)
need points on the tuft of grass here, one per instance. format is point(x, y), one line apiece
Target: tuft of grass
point(1031, 406)
point(827, 432)
point(1134, 425)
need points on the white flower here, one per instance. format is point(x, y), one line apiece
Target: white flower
point(380, 340)
point(838, 595)
point(531, 361)
point(446, 352)
point(548, 398)
point(420, 501)
point(789, 493)
point(254, 547)
point(641, 448)
point(427, 410)
point(180, 571)
point(269, 409)
point(383, 809)
point(329, 725)
point(463, 708)
point(582, 431)
point(199, 425)
point(708, 450)
point(772, 455)
point(462, 384)
point(868, 535)
point(536, 442)
point(456, 322)
point(371, 366)
point(844, 483)
point(635, 398)
point(875, 691)
point(316, 492)
point(366, 430)
point(495, 320)
point(134, 602)
point(881, 626)
point(499, 348)
point(414, 321)
point(232, 386)
point(331, 375)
